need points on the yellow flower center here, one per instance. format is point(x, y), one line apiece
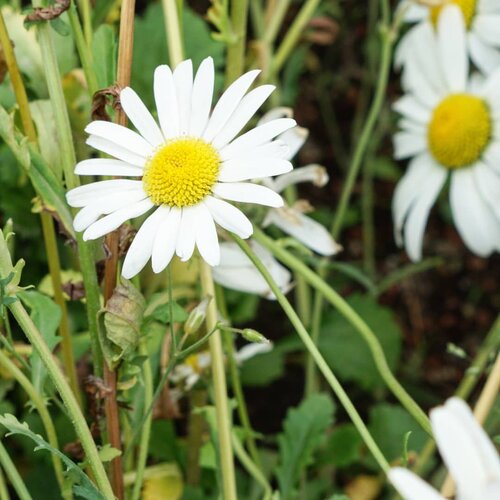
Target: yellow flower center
point(182, 172)
point(459, 130)
point(468, 8)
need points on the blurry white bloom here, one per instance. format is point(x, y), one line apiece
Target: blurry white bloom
point(188, 165)
point(292, 220)
point(468, 453)
point(480, 18)
point(190, 371)
point(236, 270)
point(450, 127)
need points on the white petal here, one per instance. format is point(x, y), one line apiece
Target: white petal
point(106, 166)
point(256, 137)
point(316, 174)
point(166, 101)
point(187, 233)
point(475, 222)
point(412, 109)
point(203, 89)
point(492, 156)
point(113, 149)
point(488, 6)
point(116, 219)
point(183, 80)
point(488, 183)
point(306, 230)
point(246, 192)
point(166, 239)
point(414, 12)
point(485, 57)
point(274, 149)
point(419, 212)
point(452, 48)
point(242, 170)
point(411, 487)
point(227, 104)
point(486, 28)
point(229, 217)
point(408, 144)
point(249, 351)
point(84, 195)
point(273, 114)
point(295, 139)
point(121, 136)
point(142, 246)
point(242, 114)
point(140, 117)
point(206, 236)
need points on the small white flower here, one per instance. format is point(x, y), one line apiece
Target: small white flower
point(187, 166)
point(236, 270)
point(467, 451)
point(450, 127)
point(480, 18)
point(292, 220)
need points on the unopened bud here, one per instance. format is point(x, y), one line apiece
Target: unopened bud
point(196, 317)
point(254, 336)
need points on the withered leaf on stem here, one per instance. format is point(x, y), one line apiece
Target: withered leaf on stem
point(110, 95)
point(48, 13)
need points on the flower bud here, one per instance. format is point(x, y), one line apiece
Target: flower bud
point(197, 317)
point(254, 336)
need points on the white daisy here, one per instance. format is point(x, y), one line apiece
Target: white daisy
point(236, 270)
point(291, 219)
point(481, 18)
point(450, 127)
point(466, 450)
point(186, 167)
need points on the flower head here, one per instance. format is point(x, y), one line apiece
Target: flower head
point(450, 129)
point(185, 168)
point(466, 450)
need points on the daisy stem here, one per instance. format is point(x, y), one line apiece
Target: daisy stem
point(220, 387)
point(4, 493)
point(318, 358)
point(173, 31)
point(352, 317)
point(48, 230)
point(235, 61)
point(15, 478)
point(86, 13)
point(41, 407)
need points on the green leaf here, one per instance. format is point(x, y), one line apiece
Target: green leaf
point(83, 485)
point(263, 369)
point(46, 315)
point(304, 428)
point(158, 309)
point(104, 53)
point(108, 453)
point(343, 448)
point(345, 349)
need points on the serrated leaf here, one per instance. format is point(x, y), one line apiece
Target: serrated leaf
point(104, 55)
point(84, 487)
point(345, 349)
point(108, 453)
point(303, 431)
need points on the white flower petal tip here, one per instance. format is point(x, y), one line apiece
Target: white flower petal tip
point(249, 351)
point(411, 487)
point(316, 174)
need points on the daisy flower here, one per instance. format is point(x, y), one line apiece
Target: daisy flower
point(480, 19)
point(450, 128)
point(292, 219)
point(466, 450)
point(236, 270)
point(185, 169)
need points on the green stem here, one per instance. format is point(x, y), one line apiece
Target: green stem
point(367, 207)
point(235, 61)
point(311, 379)
point(251, 467)
point(356, 321)
point(275, 18)
point(173, 31)
point(13, 475)
point(318, 358)
point(146, 427)
point(85, 11)
point(220, 387)
point(41, 407)
point(293, 35)
point(4, 492)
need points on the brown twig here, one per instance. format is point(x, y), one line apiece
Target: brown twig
point(48, 13)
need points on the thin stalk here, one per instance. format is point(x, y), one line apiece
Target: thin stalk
point(146, 428)
point(235, 61)
point(15, 479)
point(367, 207)
point(173, 32)
point(66, 146)
point(356, 321)
point(49, 235)
point(274, 21)
point(41, 407)
point(85, 12)
point(4, 492)
point(196, 430)
point(318, 358)
point(293, 35)
point(220, 388)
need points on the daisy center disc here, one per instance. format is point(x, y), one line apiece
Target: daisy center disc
point(468, 8)
point(181, 173)
point(459, 130)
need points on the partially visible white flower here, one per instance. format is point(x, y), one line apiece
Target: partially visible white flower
point(292, 219)
point(236, 270)
point(190, 371)
point(468, 453)
point(479, 17)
